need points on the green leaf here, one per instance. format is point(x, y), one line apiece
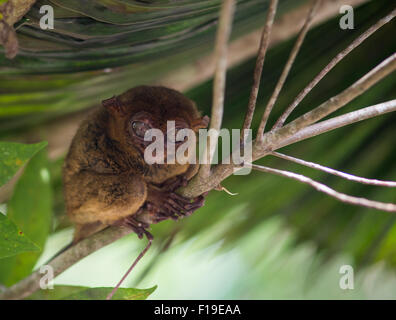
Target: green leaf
point(13, 156)
point(30, 208)
point(13, 240)
point(85, 293)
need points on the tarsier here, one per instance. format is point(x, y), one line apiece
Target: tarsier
point(106, 179)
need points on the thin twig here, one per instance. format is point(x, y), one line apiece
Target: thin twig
point(286, 70)
point(340, 121)
point(351, 177)
point(331, 65)
point(363, 202)
point(222, 36)
point(140, 256)
point(264, 42)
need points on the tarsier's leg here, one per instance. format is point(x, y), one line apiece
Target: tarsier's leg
point(101, 200)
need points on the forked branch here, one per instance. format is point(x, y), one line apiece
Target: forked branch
point(273, 138)
point(340, 121)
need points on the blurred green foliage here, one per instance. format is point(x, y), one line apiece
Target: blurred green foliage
point(77, 71)
point(30, 208)
point(13, 156)
point(13, 240)
point(99, 34)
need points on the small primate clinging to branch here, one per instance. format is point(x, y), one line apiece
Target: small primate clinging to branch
point(106, 178)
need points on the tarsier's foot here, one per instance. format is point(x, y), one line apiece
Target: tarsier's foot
point(140, 228)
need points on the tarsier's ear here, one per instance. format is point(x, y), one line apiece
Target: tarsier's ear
point(113, 105)
point(200, 123)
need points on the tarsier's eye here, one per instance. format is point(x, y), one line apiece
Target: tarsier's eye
point(140, 128)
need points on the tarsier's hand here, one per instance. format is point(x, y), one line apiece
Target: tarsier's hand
point(164, 203)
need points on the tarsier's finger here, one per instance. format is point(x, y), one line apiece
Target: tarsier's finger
point(178, 206)
point(178, 197)
point(170, 211)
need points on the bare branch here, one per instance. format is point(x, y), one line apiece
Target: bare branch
point(331, 65)
point(340, 121)
point(363, 202)
point(344, 175)
point(286, 70)
point(222, 36)
point(265, 38)
point(273, 138)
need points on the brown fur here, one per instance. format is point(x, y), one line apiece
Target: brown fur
point(105, 176)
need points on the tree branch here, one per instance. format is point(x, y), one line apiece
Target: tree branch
point(390, 207)
point(222, 36)
point(344, 175)
point(331, 65)
point(264, 42)
point(273, 138)
point(277, 139)
point(288, 65)
point(340, 121)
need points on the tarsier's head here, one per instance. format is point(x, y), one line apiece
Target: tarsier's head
point(135, 112)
